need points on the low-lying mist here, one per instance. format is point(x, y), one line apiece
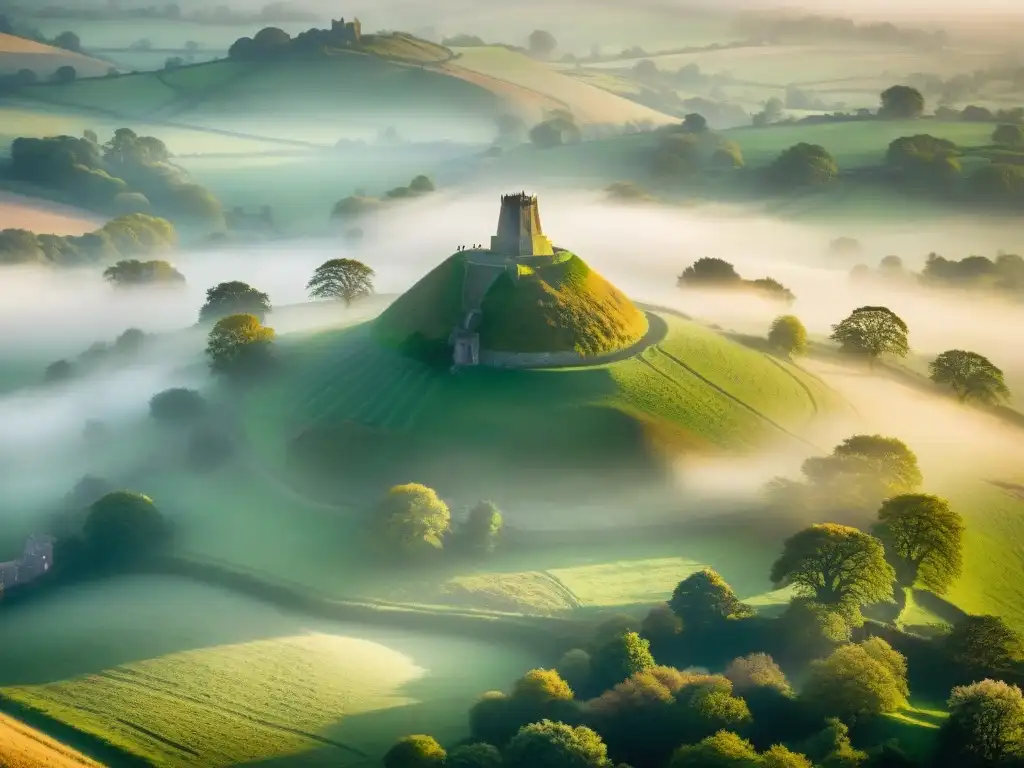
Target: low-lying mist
point(52, 314)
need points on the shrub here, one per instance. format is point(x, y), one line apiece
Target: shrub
point(704, 599)
point(621, 657)
point(985, 725)
point(856, 681)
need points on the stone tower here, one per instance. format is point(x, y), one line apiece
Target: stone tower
point(519, 231)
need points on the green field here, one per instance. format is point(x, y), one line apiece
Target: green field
point(186, 675)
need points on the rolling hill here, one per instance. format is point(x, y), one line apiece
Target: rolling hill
point(369, 417)
point(17, 53)
point(394, 80)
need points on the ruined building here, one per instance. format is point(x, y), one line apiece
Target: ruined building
point(346, 32)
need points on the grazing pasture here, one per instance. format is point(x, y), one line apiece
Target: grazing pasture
point(186, 675)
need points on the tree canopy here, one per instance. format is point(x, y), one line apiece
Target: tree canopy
point(234, 298)
point(345, 279)
point(1009, 135)
point(803, 165)
point(704, 599)
point(836, 564)
point(872, 332)
point(178, 404)
point(239, 345)
point(984, 642)
point(788, 335)
point(123, 526)
point(901, 102)
point(856, 680)
point(924, 538)
point(985, 726)
point(476, 755)
point(709, 270)
point(542, 43)
point(133, 272)
point(411, 519)
point(724, 749)
point(418, 751)
point(969, 375)
point(863, 470)
point(479, 533)
point(619, 658)
point(549, 744)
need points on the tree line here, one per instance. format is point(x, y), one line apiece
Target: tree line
point(127, 174)
point(124, 237)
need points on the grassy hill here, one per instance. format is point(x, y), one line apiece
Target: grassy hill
point(368, 417)
point(180, 674)
point(18, 53)
point(561, 307)
point(24, 747)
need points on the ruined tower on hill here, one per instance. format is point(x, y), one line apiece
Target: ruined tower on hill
point(519, 230)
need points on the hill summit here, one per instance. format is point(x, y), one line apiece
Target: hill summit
point(522, 302)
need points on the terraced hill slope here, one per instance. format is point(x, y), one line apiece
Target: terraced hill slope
point(18, 53)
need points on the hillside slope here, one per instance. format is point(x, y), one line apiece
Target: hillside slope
point(588, 103)
point(18, 53)
point(24, 747)
point(365, 417)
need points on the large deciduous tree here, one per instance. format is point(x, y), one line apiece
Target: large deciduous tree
point(542, 43)
point(924, 538)
point(969, 375)
point(863, 470)
point(836, 564)
point(803, 165)
point(232, 298)
point(704, 599)
point(857, 680)
point(901, 102)
point(872, 332)
point(240, 346)
point(410, 520)
point(347, 280)
point(985, 726)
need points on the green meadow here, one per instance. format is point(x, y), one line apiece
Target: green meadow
point(180, 674)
